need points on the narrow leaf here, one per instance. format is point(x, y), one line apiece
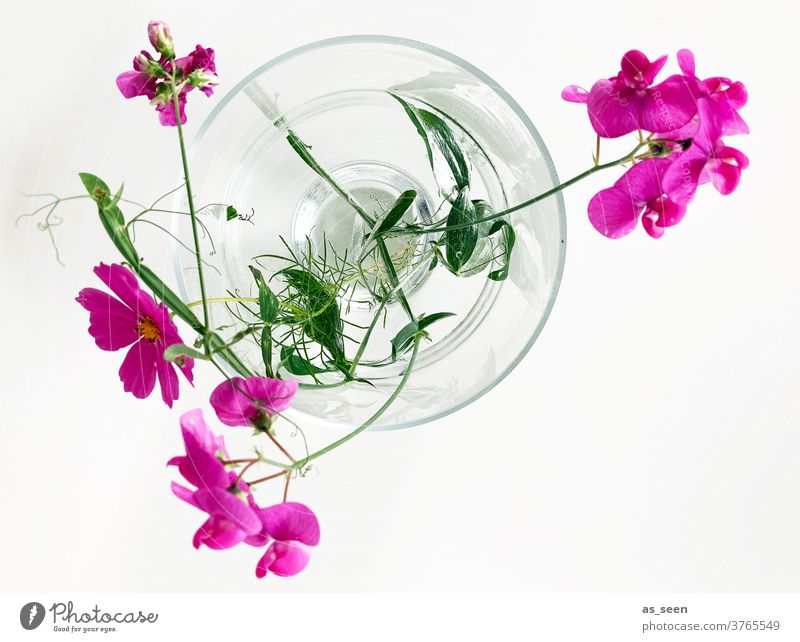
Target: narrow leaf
point(459, 244)
point(268, 305)
point(178, 351)
point(400, 207)
point(403, 339)
point(438, 136)
point(509, 238)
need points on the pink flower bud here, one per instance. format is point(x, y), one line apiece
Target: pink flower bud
point(161, 38)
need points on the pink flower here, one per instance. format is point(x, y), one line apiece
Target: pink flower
point(639, 193)
point(727, 98)
point(143, 80)
point(294, 528)
point(232, 516)
point(134, 319)
point(629, 100)
point(199, 69)
point(165, 106)
point(708, 158)
point(252, 401)
point(161, 38)
point(159, 79)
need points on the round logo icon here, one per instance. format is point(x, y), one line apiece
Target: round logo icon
point(31, 615)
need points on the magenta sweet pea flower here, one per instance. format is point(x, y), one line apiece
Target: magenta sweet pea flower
point(158, 79)
point(199, 69)
point(161, 38)
point(629, 100)
point(232, 516)
point(134, 319)
point(252, 401)
point(639, 193)
point(726, 98)
point(294, 528)
point(143, 80)
point(708, 158)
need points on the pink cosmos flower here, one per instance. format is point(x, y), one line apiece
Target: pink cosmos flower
point(252, 401)
point(294, 528)
point(629, 100)
point(639, 193)
point(232, 516)
point(134, 319)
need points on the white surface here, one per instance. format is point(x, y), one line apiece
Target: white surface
point(648, 442)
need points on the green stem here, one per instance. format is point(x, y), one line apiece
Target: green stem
point(365, 340)
point(373, 418)
point(192, 214)
point(540, 197)
point(304, 151)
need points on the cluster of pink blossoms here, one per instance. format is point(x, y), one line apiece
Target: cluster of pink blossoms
point(687, 117)
point(288, 529)
point(134, 319)
point(157, 79)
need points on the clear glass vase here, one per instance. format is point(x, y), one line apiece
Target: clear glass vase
point(335, 94)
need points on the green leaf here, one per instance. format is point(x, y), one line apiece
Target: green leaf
point(400, 207)
point(268, 305)
point(178, 351)
point(405, 338)
point(459, 244)
point(96, 187)
point(297, 365)
point(231, 213)
point(114, 223)
point(324, 324)
point(509, 238)
point(438, 136)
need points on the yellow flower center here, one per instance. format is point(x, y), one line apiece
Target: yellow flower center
point(149, 329)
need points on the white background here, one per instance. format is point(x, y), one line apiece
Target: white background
point(649, 441)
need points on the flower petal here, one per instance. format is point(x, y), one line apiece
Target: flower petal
point(666, 106)
point(686, 61)
point(612, 108)
point(284, 559)
point(644, 180)
point(111, 323)
point(138, 369)
point(661, 214)
point(575, 94)
point(201, 466)
point(218, 533)
point(724, 176)
point(637, 69)
point(239, 401)
point(194, 426)
point(186, 494)
point(613, 212)
point(221, 502)
point(122, 282)
point(166, 377)
point(136, 83)
point(275, 394)
point(291, 521)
